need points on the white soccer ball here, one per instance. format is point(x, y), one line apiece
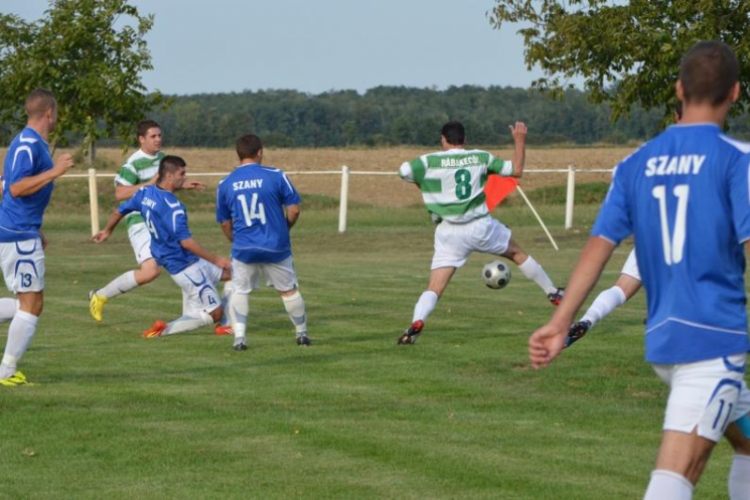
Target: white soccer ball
point(496, 274)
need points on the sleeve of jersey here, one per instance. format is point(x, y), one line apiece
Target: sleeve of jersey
point(180, 224)
point(739, 186)
point(223, 212)
point(291, 196)
point(613, 222)
point(499, 167)
point(126, 176)
point(412, 171)
point(132, 204)
point(23, 164)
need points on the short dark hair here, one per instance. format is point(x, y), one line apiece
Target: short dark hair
point(38, 102)
point(708, 72)
point(143, 127)
point(248, 146)
point(454, 133)
point(169, 164)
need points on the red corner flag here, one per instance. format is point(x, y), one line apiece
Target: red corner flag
point(497, 188)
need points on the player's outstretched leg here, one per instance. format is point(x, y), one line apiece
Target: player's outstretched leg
point(147, 273)
point(534, 272)
point(422, 310)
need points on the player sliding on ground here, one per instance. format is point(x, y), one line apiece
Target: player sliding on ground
point(139, 170)
point(196, 270)
point(452, 183)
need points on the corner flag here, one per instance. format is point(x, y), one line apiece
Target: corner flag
point(497, 188)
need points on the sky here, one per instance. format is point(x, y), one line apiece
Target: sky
point(315, 46)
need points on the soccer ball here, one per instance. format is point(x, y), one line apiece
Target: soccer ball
point(496, 274)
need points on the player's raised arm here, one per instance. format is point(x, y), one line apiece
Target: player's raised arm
point(519, 131)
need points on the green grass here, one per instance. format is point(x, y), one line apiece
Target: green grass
point(460, 414)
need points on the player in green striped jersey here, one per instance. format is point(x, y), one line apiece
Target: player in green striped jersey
point(139, 170)
point(452, 185)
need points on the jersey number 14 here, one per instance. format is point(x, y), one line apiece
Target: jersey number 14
point(256, 210)
point(673, 243)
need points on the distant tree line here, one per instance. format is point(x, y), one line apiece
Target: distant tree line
point(401, 115)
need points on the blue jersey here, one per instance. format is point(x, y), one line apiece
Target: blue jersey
point(253, 197)
point(166, 219)
point(684, 196)
point(21, 217)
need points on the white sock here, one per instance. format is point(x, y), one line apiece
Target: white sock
point(20, 333)
point(226, 294)
point(123, 283)
point(739, 478)
point(239, 308)
point(533, 271)
point(667, 484)
point(425, 305)
point(295, 308)
point(606, 302)
point(188, 323)
point(8, 308)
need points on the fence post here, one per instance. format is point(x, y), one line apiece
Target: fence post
point(570, 197)
point(344, 198)
point(93, 202)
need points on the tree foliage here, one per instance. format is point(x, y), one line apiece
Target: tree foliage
point(626, 52)
point(90, 54)
point(395, 115)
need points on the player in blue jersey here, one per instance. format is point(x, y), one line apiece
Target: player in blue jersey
point(29, 174)
point(196, 270)
point(685, 196)
point(256, 207)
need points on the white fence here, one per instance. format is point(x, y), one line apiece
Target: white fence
point(345, 174)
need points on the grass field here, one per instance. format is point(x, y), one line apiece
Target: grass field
point(460, 414)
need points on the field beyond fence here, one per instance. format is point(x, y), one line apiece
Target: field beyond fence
point(385, 191)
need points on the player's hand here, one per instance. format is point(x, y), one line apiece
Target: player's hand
point(518, 131)
point(224, 263)
point(199, 186)
point(64, 163)
point(101, 236)
point(44, 240)
point(545, 344)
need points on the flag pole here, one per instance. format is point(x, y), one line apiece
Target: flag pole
point(523, 195)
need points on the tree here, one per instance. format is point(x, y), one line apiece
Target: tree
point(90, 54)
point(627, 52)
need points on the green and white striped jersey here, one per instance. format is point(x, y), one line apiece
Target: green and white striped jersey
point(452, 182)
point(139, 168)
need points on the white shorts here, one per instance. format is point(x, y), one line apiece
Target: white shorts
point(455, 242)
point(246, 277)
point(198, 282)
point(707, 395)
point(631, 267)
point(23, 265)
point(140, 240)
